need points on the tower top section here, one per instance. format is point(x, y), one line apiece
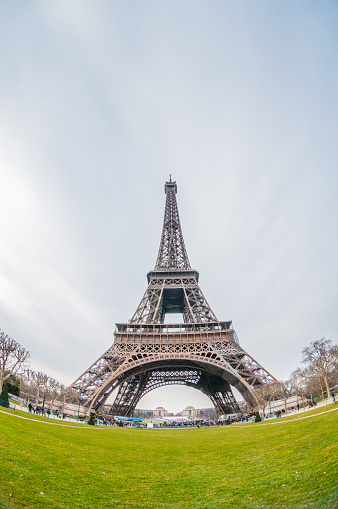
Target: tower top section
point(172, 254)
point(170, 185)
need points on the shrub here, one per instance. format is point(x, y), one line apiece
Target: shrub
point(91, 420)
point(4, 396)
point(258, 417)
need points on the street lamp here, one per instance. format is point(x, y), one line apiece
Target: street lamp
point(269, 399)
point(78, 409)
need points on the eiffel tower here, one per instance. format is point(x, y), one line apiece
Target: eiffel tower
point(147, 353)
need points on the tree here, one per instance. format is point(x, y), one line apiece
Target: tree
point(13, 358)
point(70, 394)
point(321, 358)
point(333, 379)
point(4, 396)
point(265, 394)
point(262, 396)
point(54, 392)
point(91, 420)
point(38, 381)
point(13, 385)
point(48, 387)
point(297, 383)
point(257, 417)
point(314, 384)
point(285, 392)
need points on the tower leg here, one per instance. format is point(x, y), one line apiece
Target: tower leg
point(129, 394)
point(220, 393)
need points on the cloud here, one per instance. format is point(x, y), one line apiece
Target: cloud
point(100, 102)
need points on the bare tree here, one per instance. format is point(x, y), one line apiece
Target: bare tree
point(262, 397)
point(297, 383)
point(38, 381)
point(321, 358)
point(314, 384)
point(48, 386)
point(26, 388)
point(285, 391)
point(333, 379)
point(55, 387)
point(266, 394)
point(42, 387)
point(13, 358)
point(70, 394)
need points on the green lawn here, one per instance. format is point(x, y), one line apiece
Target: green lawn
point(37, 417)
point(291, 464)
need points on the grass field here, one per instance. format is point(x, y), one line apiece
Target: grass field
point(290, 464)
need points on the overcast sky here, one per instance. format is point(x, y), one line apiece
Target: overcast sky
point(99, 102)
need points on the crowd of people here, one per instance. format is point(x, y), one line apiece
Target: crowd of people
point(106, 421)
point(196, 423)
point(39, 410)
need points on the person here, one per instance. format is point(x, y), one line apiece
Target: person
point(334, 398)
point(30, 407)
point(298, 407)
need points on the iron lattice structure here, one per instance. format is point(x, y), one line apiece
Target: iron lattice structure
point(201, 352)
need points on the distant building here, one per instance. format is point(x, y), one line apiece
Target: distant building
point(146, 414)
point(189, 412)
point(205, 413)
point(160, 412)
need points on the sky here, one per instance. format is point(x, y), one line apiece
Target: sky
point(100, 102)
